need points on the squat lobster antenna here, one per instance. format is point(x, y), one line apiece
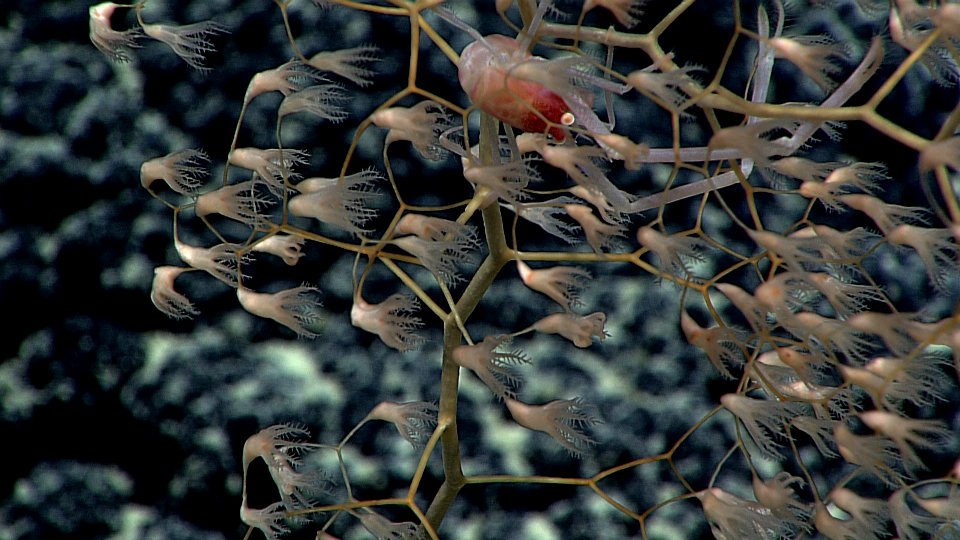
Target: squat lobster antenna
point(449, 16)
point(530, 31)
point(528, 34)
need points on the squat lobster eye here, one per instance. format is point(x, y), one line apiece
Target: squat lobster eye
point(485, 74)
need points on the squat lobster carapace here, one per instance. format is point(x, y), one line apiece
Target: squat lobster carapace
point(485, 75)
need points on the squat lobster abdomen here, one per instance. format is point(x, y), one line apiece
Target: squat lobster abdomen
point(485, 75)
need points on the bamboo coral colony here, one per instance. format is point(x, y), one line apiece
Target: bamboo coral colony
point(798, 318)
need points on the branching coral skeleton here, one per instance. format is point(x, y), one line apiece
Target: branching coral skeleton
point(803, 317)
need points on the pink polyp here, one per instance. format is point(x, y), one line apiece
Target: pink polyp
point(484, 76)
